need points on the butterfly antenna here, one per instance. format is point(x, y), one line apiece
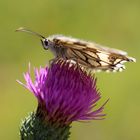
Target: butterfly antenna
point(22, 29)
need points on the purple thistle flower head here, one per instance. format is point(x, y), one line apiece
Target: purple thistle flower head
point(65, 93)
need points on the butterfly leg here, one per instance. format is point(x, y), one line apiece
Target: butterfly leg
point(54, 60)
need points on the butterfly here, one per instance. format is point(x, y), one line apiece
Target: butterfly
point(88, 54)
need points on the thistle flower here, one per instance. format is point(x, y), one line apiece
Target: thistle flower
point(65, 93)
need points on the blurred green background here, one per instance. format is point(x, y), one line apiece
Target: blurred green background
point(112, 23)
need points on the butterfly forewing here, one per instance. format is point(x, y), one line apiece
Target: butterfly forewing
point(92, 55)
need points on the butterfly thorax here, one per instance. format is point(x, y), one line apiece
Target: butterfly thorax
point(57, 48)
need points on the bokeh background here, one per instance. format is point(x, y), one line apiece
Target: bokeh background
point(112, 23)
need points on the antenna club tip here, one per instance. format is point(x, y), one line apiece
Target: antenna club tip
point(20, 29)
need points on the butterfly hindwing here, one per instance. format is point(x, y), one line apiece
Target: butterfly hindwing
point(92, 55)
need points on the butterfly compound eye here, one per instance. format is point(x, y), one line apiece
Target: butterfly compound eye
point(46, 42)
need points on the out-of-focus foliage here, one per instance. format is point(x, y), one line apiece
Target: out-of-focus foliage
point(112, 23)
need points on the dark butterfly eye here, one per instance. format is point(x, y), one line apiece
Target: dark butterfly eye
point(46, 42)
